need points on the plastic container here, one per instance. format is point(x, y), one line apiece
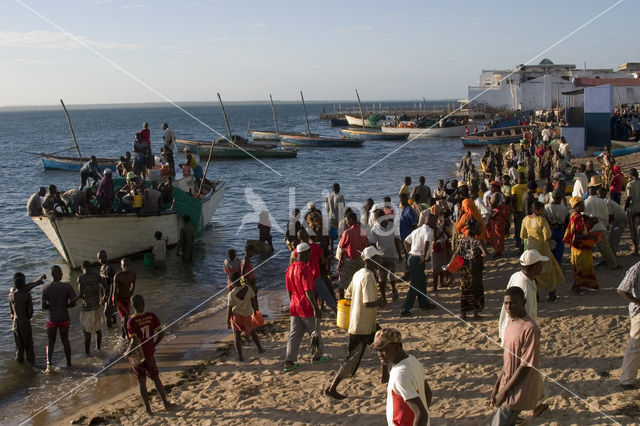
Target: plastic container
point(344, 313)
point(455, 265)
point(137, 202)
point(186, 170)
point(148, 259)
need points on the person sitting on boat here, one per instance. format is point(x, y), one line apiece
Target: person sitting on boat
point(126, 192)
point(53, 204)
point(77, 201)
point(90, 170)
point(104, 195)
point(34, 205)
point(151, 200)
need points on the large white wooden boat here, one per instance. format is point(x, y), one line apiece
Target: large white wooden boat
point(359, 122)
point(79, 238)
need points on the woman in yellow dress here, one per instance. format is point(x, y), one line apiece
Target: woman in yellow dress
point(536, 233)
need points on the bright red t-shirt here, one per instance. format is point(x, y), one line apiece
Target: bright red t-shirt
point(616, 183)
point(144, 325)
point(314, 260)
point(353, 242)
point(146, 136)
point(299, 279)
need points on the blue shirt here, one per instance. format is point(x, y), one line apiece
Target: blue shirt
point(408, 221)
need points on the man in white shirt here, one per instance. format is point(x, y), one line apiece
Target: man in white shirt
point(546, 134)
point(335, 211)
point(564, 149)
point(362, 320)
point(418, 245)
point(597, 207)
point(408, 392)
point(532, 263)
point(167, 149)
point(580, 184)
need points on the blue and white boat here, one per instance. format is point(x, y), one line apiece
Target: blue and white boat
point(74, 164)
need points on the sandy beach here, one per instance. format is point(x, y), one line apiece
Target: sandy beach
point(583, 339)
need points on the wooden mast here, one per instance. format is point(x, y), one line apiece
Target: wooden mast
point(305, 114)
point(226, 121)
point(73, 135)
point(360, 105)
point(275, 119)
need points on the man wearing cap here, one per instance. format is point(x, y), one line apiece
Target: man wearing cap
point(531, 266)
point(597, 207)
point(632, 206)
point(362, 320)
point(304, 313)
point(629, 289)
point(408, 392)
point(418, 245)
point(519, 386)
point(169, 143)
point(352, 243)
point(104, 194)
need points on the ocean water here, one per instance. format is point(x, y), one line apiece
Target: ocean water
point(250, 187)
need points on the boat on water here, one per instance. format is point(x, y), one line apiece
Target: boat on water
point(374, 135)
point(74, 164)
point(315, 141)
point(499, 136)
point(265, 135)
point(79, 238)
point(339, 122)
point(236, 151)
point(427, 132)
point(374, 121)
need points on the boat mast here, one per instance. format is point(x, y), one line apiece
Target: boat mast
point(360, 105)
point(73, 135)
point(226, 121)
point(275, 119)
point(305, 114)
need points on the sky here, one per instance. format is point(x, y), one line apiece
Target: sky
point(121, 51)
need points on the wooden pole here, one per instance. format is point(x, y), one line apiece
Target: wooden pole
point(361, 112)
point(226, 121)
point(73, 135)
point(305, 114)
point(425, 104)
point(275, 119)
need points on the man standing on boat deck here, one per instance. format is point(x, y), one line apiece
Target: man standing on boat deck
point(145, 133)
point(169, 143)
point(335, 210)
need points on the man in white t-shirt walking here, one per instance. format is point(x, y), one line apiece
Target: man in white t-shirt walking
point(408, 392)
point(362, 320)
point(546, 134)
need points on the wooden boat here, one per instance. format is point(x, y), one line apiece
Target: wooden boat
point(500, 136)
point(339, 122)
point(227, 151)
point(79, 238)
point(264, 135)
point(374, 135)
point(315, 141)
point(74, 164)
point(358, 122)
point(429, 132)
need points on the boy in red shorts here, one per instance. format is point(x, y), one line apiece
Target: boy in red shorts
point(144, 326)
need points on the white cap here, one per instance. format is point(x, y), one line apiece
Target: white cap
point(302, 247)
point(374, 208)
point(530, 257)
point(369, 252)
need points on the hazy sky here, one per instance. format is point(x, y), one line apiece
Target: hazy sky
point(188, 50)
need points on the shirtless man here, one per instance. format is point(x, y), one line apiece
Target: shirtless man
point(124, 284)
point(106, 275)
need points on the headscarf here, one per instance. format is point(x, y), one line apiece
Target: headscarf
point(574, 201)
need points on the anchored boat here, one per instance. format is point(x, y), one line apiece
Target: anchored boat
point(228, 151)
point(500, 136)
point(374, 135)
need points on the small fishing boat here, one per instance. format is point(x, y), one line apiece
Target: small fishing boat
point(316, 141)
point(236, 151)
point(264, 135)
point(371, 121)
point(74, 164)
point(500, 136)
point(78, 238)
point(429, 132)
point(339, 122)
point(374, 135)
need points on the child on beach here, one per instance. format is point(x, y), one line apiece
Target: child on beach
point(242, 304)
point(231, 266)
point(159, 251)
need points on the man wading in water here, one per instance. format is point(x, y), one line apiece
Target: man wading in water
point(124, 284)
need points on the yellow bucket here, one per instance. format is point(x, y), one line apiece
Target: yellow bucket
point(344, 312)
point(137, 201)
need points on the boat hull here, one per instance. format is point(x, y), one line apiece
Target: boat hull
point(424, 133)
point(264, 135)
point(498, 136)
point(79, 238)
point(373, 135)
point(231, 152)
point(359, 122)
point(52, 162)
point(320, 142)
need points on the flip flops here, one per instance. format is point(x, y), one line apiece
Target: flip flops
point(295, 366)
point(321, 360)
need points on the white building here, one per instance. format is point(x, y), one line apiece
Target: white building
point(536, 87)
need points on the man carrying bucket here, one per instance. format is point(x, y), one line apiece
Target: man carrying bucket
point(362, 320)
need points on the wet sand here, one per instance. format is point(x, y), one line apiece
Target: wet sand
point(583, 340)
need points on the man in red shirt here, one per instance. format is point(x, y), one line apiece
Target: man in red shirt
point(304, 313)
point(145, 133)
point(142, 329)
point(317, 262)
point(350, 248)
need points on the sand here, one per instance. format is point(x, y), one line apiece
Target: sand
point(583, 340)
